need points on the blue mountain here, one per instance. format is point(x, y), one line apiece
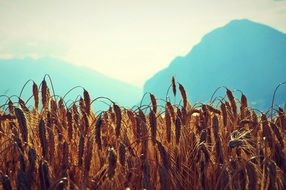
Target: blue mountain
point(65, 76)
point(242, 55)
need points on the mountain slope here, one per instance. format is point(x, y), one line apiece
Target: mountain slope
point(241, 55)
point(65, 76)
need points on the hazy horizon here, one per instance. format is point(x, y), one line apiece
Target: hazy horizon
point(125, 40)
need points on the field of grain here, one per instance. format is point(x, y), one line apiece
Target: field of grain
point(220, 145)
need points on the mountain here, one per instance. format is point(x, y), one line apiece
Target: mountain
point(16, 72)
point(242, 55)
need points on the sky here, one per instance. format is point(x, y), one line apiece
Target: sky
point(129, 40)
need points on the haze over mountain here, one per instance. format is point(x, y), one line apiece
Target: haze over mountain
point(16, 72)
point(242, 55)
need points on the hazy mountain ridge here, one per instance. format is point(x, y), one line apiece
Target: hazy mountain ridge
point(240, 55)
point(16, 72)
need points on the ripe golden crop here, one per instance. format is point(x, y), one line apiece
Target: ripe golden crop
point(170, 146)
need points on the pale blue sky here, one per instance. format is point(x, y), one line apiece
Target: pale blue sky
point(128, 40)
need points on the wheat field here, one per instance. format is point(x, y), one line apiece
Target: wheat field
point(49, 144)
